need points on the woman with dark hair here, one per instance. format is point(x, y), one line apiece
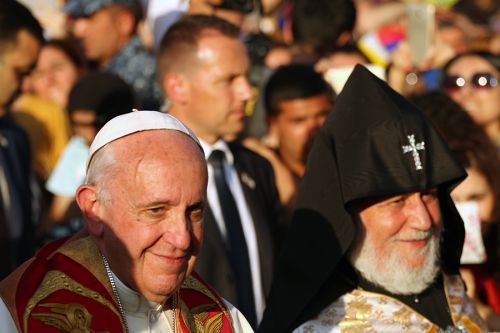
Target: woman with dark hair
point(471, 80)
point(478, 155)
point(40, 110)
point(59, 66)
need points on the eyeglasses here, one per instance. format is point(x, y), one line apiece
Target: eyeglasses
point(478, 81)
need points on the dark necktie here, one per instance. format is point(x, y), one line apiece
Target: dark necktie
point(238, 253)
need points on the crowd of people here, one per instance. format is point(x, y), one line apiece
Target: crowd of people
point(249, 165)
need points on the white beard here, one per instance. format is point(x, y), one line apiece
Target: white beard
point(393, 273)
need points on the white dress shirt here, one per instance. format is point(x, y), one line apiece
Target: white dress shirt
point(235, 186)
point(144, 316)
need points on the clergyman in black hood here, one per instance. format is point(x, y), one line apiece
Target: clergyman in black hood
point(375, 240)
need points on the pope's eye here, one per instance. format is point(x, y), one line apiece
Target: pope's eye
point(155, 211)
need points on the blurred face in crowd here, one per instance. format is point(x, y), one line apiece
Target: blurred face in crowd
point(454, 36)
point(147, 214)
point(103, 33)
point(398, 247)
point(54, 75)
point(210, 7)
point(339, 60)
point(473, 83)
point(475, 188)
point(216, 88)
point(296, 126)
point(16, 61)
point(83, 123)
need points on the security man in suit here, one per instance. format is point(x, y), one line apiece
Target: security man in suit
point(21, 37)
point(202, 67)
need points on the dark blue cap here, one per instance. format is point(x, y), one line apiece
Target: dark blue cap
point(78, 8)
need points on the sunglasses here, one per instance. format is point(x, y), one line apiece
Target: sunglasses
point(478, 81)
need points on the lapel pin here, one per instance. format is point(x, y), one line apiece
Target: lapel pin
point(247, 180)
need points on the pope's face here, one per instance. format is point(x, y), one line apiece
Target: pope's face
point(153, 211)
point(402, 225)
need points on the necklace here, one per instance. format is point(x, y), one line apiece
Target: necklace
point(154, 314)
point(115, 291)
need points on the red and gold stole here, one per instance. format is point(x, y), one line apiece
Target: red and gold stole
point(65, 287)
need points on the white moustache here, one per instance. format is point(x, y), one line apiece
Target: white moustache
point(415, 236)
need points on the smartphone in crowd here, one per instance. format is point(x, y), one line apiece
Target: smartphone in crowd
point(420, 30)
point(473, 251)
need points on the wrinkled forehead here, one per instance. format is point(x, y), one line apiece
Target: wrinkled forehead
point(147, 151)
point(156, 144)
point(146, 142)
point(148, 154)
point(361, 204)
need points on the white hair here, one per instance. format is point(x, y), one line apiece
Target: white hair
point(392, 272)
point(101, 169)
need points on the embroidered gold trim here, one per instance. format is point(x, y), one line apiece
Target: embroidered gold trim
point(192, 283)
point(84, 250)
point(66, 317)
point(385, 298)
point(56, 280)
point(364, 311)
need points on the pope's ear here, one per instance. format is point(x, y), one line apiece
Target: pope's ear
point(89, 205)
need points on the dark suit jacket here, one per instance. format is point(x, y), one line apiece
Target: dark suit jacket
point(16, 164)
point(263, 202)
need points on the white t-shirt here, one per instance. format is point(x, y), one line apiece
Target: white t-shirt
point(69, 172)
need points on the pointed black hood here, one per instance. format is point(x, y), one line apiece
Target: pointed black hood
point(374, 143)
